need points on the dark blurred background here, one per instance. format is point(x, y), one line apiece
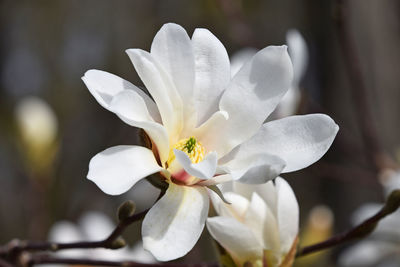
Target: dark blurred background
point(47, 45)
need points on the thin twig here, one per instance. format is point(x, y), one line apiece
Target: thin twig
point(360, 231)
point(44, 259)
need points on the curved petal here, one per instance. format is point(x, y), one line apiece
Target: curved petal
point(260, 218)
point(298, 140)
point(254, 91)
point(104, 86)
point(236, 238)
point(212, 72)
point(288, 214)
point(203, 170)
point(160, 86)
point(236, 209)
point(174, 224)
point(254, 168)
point(298, 53)
point(129, 107)
point(116, 169)
point(172, 48)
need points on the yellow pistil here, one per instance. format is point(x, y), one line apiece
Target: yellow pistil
point(193, 148)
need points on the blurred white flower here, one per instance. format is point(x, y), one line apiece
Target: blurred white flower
point(94, 226)
point(38, 129)
point(298, 53)
point(262, 222)
point(382, 247)
point(205, 128)
point(36, 121)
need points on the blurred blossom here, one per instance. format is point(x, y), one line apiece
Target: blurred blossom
point(94, 226)
point(37, 125)
point(382, 246)
point(298, 53)
point(205, 128)
point(23, 72)
point(261, 223)
point(319, 227)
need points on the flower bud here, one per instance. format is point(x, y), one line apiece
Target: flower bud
point(118, 243)
point(126, 210)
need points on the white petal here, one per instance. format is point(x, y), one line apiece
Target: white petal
point(289, 104)
point(266, 191)
point(260, 218)
point(64, 231)
point(203, 170)
point(253, 93)
point(298, 53)
point(172, 48)
point(96, 225)
point(129, 107)
point(239, 58)
point(298, 140)
point(236, 238)
point(254, 168)
point(104, 86)
point(116, 169)
point(212, 72)
point(237, 207)
point(288, 214)
point(162, 89)
point(174, 224)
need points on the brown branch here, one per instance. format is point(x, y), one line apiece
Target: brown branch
point(45, 259)
point(377, 156)
point(360, 231)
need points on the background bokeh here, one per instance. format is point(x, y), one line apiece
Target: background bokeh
point(47, 45)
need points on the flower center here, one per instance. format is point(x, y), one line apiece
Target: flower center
point(193, 148)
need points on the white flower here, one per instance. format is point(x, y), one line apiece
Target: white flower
point(94, 226)
point(205, 128)
point(298, 52)
point(262, 221)
point(382, 246)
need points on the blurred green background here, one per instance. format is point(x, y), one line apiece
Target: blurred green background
point(47, 45)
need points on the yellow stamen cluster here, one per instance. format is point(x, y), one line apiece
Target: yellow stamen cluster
point(191, 147)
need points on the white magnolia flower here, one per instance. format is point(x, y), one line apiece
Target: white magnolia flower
point(262, 222)
point(205, 128)
point(298, 52)
point(382, 247)
point(94, 226)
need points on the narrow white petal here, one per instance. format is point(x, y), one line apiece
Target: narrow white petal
point(288, 214)
point(160, 86)
point(298, 140)
point(237, 207)
point(104, 86)
point(129, 107)
point(212, 72)
point(116, 169)
point(289, 104)
point(174, 224)
point(203, 170)
point(254, 92)
point(172, 48)
point(298, 53)
point(260, 218)
point(236, 238)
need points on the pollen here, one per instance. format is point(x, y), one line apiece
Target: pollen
point(193, 148)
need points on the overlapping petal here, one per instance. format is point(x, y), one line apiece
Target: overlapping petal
point(228, 231)
point(298, 140)
point(203, 170)
point(162, 89)
point(104, 86)
point(174, 224)
point(116, 169)
point(212, 72)
point(256, 89)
